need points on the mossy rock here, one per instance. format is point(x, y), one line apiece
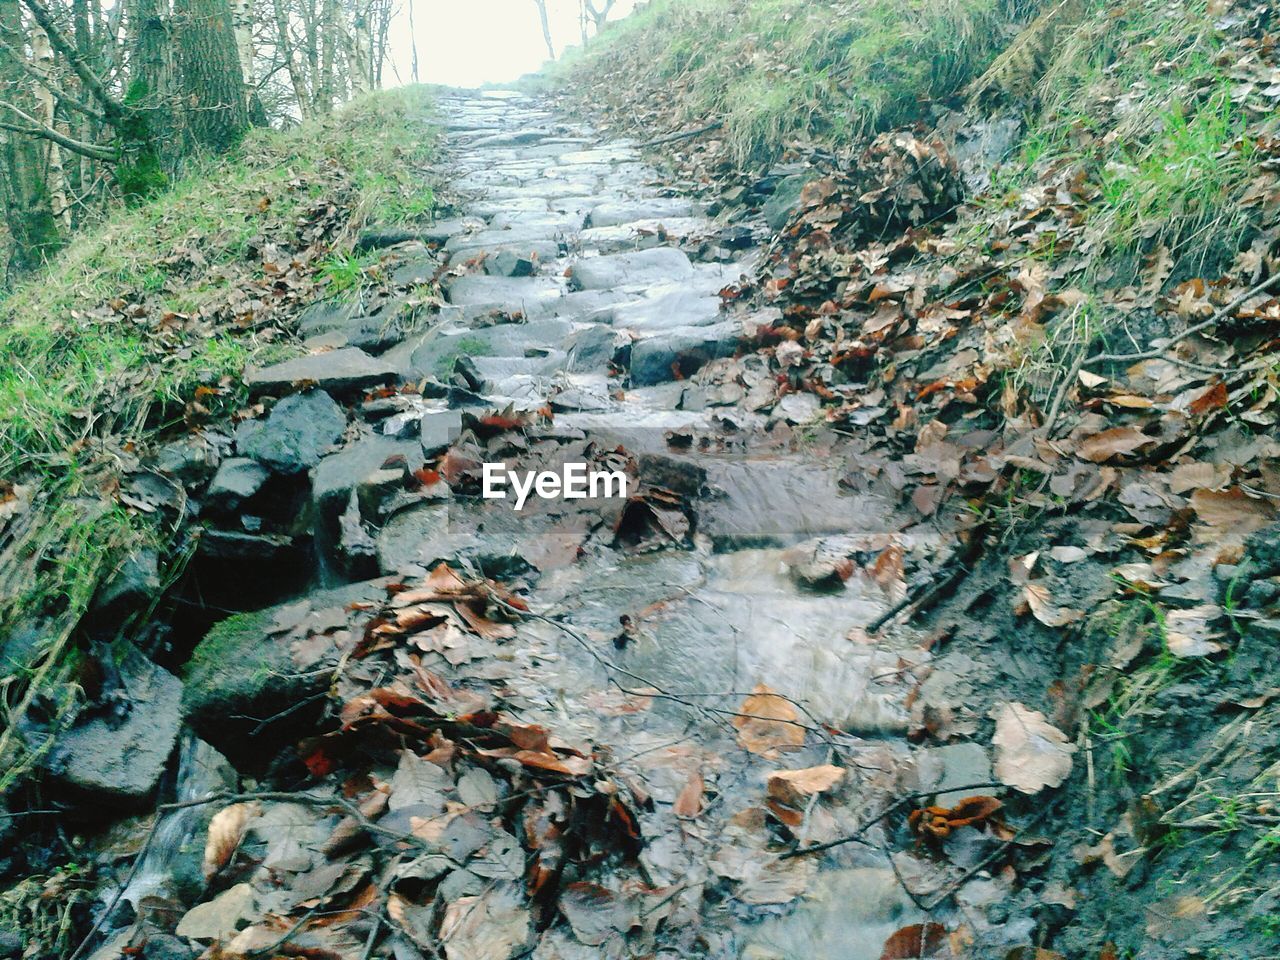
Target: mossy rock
point(242, 674)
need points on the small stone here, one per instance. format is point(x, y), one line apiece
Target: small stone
point(237, 479)
point(955, 765)
point(679, 353)
point(508, 263)
point(136, 582)
point(116, 759)
point(784, 202)
point(344, 371)
point(655, 266)
point(297, 433)
point(188, 460)
point(438, 429)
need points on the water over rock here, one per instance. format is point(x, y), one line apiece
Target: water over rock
point(116, 758)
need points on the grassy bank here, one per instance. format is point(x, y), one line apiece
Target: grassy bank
point(140, 329)
point(779, 70)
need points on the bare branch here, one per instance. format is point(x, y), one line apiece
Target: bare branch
point(62, 95)
point(111, 107)
point(37, 129)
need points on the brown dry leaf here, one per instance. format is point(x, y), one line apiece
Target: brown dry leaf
point(689, 803)
point(770, 723)
point(1104, 850)
point(1031, 753)
point(1189, 633)
point(1232, 508)
point(919, 941)
point(1111, 443)
point(795, 787)
point(226, 829)
point(492, 926)
point(1033, 953)
point(1175, 918)
point(1036, 596)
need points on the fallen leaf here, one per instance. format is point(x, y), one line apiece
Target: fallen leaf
point(1112, 443)
point(795, 787)
point(1232, 508)
point(1036, 596)
point(919, 941)
point(1031, 753)
point(226, 829)
point(689, 803)
point(491, 926)
point(1189, 633)
point(768, 723)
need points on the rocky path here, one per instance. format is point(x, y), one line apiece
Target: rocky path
point(699, 647)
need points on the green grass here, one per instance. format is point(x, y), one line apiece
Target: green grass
point(780, 70)
point(69, 357)
point(1140, 98)
point(88, 382)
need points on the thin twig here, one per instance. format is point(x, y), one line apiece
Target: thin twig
point(856, 835)
point(1157, 352)
point(684, 135)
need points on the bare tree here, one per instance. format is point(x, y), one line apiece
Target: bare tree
point(599, 14)
point(546, 27)
point(100, 98)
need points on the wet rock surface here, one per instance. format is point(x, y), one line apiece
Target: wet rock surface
point(606, 680)
point(117, 757)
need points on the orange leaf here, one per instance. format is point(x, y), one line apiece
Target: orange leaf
point(689, 803)
point(769, 723)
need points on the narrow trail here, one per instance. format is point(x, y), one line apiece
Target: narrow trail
point(625, 337)
point(685, 643)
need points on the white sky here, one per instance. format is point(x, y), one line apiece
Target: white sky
point(469, 42)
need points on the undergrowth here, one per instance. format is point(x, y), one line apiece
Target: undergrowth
point(779, 70)
point(138, 321)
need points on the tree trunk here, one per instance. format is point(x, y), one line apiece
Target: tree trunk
point(211, 81)
point(47, 112)
point(546, 27)
point(297, 76)
point(28, 208)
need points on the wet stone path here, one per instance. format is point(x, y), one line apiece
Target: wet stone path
point(696, 638)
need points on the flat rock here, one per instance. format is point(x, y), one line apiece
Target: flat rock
point(529, 233)
point(644, 267)
point(298, 432)
point(953, 765)
point(339, 371)
point(444, 230)
point(438, 429)
point(780, 207)
point(680, 352)
point(641, 234)
point(678, 308)
point(511, 292)
point(613, 214)
point(120, 759)
point(237, 479)
point(781, 502)
point(247, 666)
point(338, 474)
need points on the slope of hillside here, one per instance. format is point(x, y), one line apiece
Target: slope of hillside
point(140, 330)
